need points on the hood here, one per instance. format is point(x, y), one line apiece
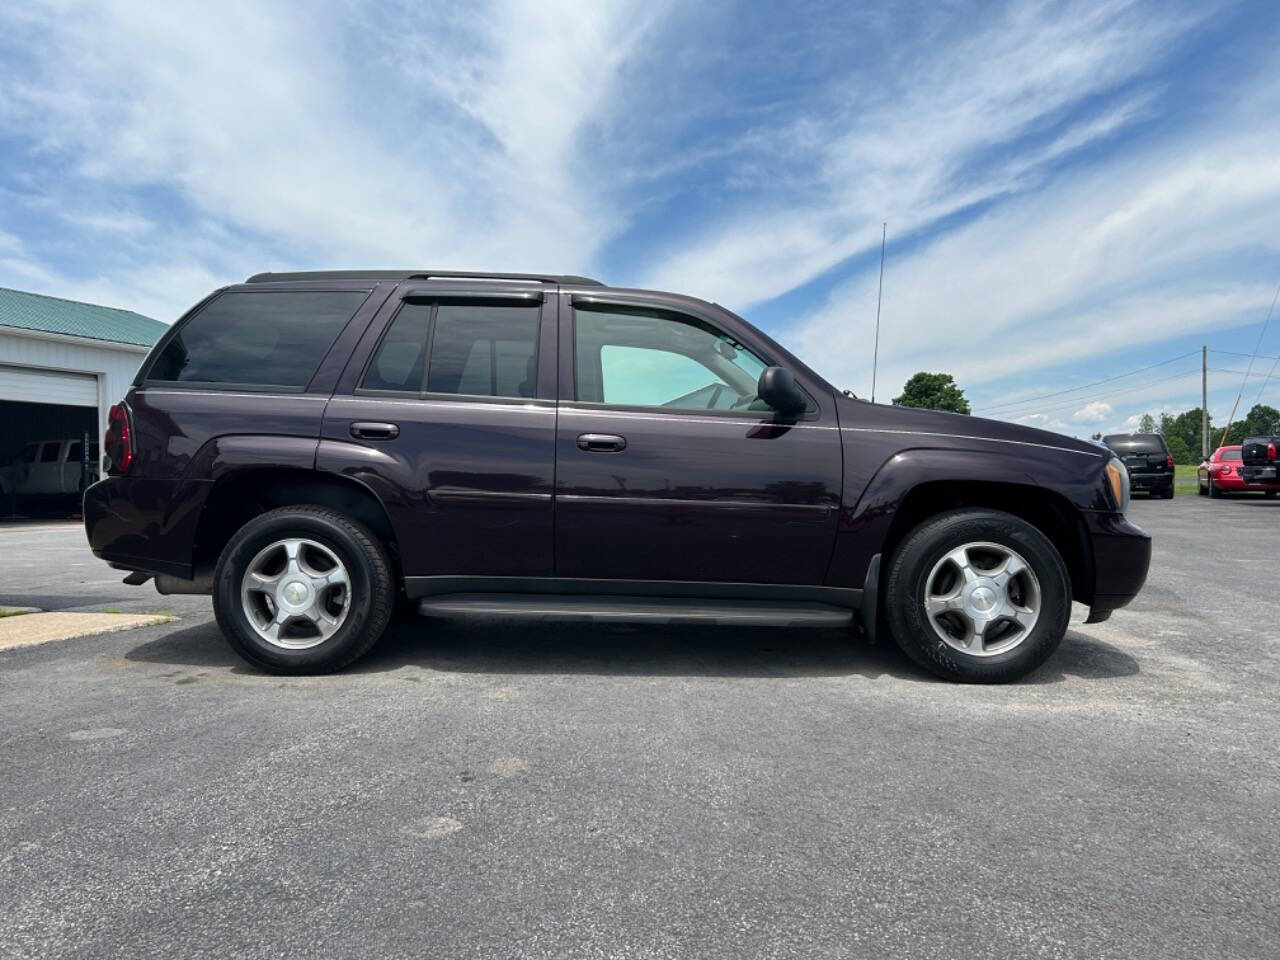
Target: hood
point(912, 419)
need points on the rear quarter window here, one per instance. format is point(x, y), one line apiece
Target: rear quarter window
point(1135, 443)
point(250, 338)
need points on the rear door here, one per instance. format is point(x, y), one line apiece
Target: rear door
point(447, 412)
point(668, 468)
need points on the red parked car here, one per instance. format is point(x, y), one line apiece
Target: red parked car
point(1221, 474)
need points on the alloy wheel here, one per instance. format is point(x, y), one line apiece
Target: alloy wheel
point(982, 599)
point(295, 593)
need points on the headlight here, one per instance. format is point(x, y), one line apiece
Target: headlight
point(1118, 478)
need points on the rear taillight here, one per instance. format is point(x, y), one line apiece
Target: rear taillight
point(1224, 469)
point(1168, 461)
point(1271, 450)
point(119, 441)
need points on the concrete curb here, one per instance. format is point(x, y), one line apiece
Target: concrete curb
point(31, 629)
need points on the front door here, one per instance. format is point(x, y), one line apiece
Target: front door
point(669, 468)
point(447, 412)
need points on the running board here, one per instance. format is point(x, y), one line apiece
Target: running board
point(657, 610)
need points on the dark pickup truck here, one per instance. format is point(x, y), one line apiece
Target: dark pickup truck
point(316, 449)
point(1258, 461)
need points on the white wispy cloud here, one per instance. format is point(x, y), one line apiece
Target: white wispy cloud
point(910, 144)
point(1095, 412)
point(296, 139)
point(1114, 255)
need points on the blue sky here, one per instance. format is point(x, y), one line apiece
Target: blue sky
point(1072, 191)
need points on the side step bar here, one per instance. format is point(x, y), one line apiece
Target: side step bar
point(656, 610)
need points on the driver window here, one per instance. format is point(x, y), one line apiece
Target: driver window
point(650, 358)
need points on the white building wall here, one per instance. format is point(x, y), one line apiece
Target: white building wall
point(114, 364)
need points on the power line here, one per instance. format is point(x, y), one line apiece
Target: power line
point(1232, 353)
point(1075, 401)
point(1091, 398)
point(1085, 386)
point(1265, 381)
point(1256, 347)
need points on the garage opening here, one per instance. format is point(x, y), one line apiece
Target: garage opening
point(41, 457)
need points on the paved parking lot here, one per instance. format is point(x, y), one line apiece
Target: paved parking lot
point(482, 789)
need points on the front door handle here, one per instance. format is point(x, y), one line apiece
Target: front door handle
point(601, 442)
point(374, 431)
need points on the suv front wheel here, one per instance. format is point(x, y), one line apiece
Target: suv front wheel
point(977, 596)
point(303, 590)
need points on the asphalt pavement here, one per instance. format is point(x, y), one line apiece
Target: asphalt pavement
point(483, 788)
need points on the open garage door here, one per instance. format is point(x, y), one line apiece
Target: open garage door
point(26, 384)
point(41, 451)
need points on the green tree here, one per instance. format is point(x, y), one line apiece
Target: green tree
point(1147, 424)
point(1186, 426)
point(933, 391)
point(1261, 420)
point(1179, 450)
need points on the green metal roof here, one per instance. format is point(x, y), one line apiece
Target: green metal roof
point(34, 311)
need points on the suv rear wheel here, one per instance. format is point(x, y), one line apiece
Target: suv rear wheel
point(977, 596)
point(303, 590)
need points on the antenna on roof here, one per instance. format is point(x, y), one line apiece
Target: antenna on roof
point(875, 354)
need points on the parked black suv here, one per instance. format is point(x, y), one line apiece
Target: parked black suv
point(1146, 456)
point(314, 448)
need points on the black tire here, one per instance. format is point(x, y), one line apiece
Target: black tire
point(1167, 493)
point(371, 592)
point(1214, 492)
point(925, 546)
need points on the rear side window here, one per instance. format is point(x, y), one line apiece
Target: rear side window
point(471, 349)
point(269, 338)
point(1231, 455)
point(484, 351)
point(49, 454)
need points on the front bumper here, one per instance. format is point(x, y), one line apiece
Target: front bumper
point(1121, 559)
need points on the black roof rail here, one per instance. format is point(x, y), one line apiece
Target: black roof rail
point(420, 275)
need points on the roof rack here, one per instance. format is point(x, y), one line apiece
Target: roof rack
point(420, 275)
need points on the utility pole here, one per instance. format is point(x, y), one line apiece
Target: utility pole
point(875, 353)
point(1204, 401)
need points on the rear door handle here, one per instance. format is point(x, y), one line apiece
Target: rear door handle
point(374, 431)
point(601, 442)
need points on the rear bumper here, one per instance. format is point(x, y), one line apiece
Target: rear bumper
point(1233, 482)
point(1260, 478)
point(144, 524)
point(1121, 558)
point(1150, 481)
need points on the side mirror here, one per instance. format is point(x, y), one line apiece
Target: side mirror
point(778, 389)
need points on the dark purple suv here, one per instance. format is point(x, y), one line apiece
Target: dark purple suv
point(316, 449)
